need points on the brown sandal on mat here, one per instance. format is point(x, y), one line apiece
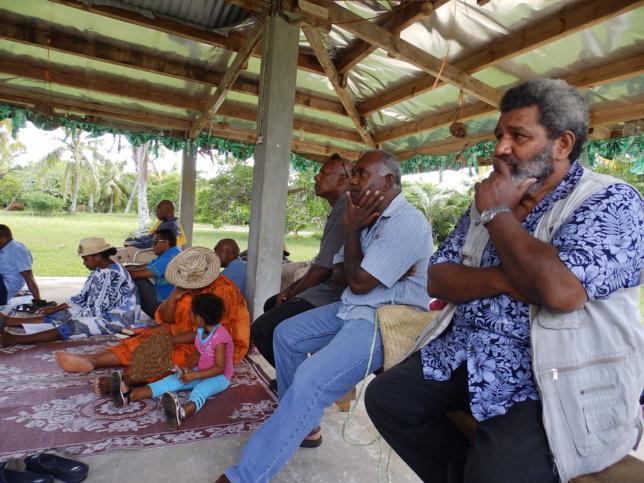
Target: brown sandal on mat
point(119, 397)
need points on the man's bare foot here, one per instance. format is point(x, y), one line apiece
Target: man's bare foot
point(73, 362)
point(101, 386)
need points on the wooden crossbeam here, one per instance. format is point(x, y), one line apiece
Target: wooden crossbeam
point(313, 36)
point(232, 42)
point(22, 29)
point(395, 23)
point(216, 100)
point(109, 85)
point(603, 74)
point(399, 48)
point(573, 19)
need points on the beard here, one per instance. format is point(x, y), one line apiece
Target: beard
point(539, 166)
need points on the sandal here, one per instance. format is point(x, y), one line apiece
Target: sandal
point(119, 397)
point(312, 443)
point(64, 469)
point(13, 471)
point(174, 412)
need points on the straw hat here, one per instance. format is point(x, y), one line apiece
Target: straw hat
point(91, 246)
point(196, 267)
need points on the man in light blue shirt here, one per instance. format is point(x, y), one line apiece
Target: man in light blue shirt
point(15, 267)
point(234, 267)
point(387, 245)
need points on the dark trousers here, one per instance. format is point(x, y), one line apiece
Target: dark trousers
point(3, 292)
point(409, 412)
point(261, 331)
point(149, 303)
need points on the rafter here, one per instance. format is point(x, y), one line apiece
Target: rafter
point(216, 100)
point(109, 85)
point(232, 41)
point(399, 48)
point(313, 36)
point(21, 29)
point(395, 23)
point(612, 72)
point(556, 27)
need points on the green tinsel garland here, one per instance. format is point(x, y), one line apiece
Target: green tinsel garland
point(608, 148)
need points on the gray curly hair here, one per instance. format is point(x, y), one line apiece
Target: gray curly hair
point(561, 108)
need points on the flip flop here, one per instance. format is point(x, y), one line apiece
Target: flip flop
point(13, 471)
point(64, 469)
point(312, 443)
point(174, 413)
point(119, 397)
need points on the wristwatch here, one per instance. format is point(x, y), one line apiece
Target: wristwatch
point(490, 213)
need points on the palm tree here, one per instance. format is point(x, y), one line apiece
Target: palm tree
point(9, 148)
point(81, 155)
point(110, 181)
point(142, 161)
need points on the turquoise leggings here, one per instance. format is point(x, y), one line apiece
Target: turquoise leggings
point(202, 389)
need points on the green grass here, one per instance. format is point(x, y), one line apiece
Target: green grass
point(53, 240)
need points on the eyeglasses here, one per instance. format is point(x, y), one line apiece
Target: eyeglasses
point(337, 156)
point(157, 241)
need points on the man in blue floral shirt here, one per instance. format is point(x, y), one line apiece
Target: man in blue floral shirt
point(517, 253)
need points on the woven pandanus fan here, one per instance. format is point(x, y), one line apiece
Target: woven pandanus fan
point(152, 358)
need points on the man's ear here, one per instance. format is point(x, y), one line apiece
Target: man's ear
point(342, 179)
point(389, 182)
point(564, 145)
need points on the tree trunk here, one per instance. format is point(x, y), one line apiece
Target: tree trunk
point(142, 176)
point(90, 203)
point(131, 197)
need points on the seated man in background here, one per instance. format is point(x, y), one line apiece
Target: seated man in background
point(15, 267)
point(193, 271)
point(317, 287)
point(164, 212)
point(234, 267)
point(149, 277)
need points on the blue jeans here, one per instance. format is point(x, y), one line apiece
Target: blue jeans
point(341, 351)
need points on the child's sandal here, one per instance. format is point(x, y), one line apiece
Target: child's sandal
point(174, 413)
point(119, 397)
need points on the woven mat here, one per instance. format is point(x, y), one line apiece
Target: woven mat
point(41, 406)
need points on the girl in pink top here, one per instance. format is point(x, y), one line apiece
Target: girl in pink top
point(207, 373)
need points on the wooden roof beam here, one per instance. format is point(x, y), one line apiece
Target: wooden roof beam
point(395, 23)
point(10, 66)
point(562, 24)
point(407, 52)
point(216, 100)
point(21, 29)
point(232, 42)
point(598, 117)
point(598, 75)
point(313, 36)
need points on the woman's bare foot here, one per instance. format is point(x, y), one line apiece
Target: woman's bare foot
point(101, 386)
point(6, 339)
point(73, 362)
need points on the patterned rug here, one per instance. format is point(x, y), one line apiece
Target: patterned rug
point(41, 406)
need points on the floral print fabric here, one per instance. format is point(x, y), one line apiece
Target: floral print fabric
point(107, 302)
point(601, 243)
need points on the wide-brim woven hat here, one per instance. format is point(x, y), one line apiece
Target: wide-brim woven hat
point(91, 246)
point(196, 267)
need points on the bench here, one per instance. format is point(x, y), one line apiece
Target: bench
point(627, 470)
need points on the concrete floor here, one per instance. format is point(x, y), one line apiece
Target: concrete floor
point(335, 461)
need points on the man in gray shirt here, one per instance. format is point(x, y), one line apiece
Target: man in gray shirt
point(316, 288)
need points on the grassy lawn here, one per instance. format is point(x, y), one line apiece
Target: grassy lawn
point(53, 240)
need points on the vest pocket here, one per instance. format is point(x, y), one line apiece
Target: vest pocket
point(593, 399)
point(570, 320)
